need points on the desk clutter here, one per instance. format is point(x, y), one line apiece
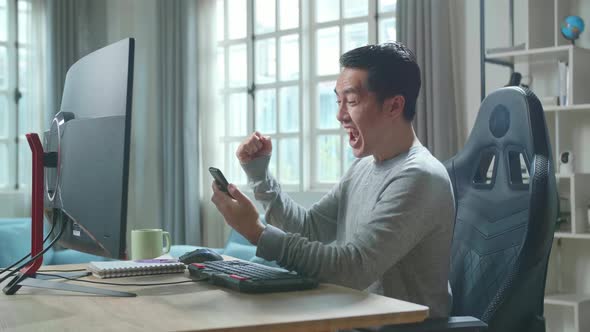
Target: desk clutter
point(115, 269)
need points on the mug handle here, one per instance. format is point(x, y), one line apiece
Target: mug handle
point(167, 238)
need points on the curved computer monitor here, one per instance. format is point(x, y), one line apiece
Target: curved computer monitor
point(87, 190)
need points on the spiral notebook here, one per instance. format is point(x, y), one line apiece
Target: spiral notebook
point(115, 269)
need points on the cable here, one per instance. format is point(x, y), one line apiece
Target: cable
point(43, 271)
point(29, 254)
point(74, 270)
point(122, 284)
point(110, 283)
point(32, 259)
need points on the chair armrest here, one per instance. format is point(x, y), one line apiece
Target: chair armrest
point(451, 324)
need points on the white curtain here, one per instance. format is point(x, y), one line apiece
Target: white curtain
point(425, 27)
point(36, 60)
point(32, 55)
point(215, 231)
point(31, 116)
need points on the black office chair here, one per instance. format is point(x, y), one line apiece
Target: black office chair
point(505, 219)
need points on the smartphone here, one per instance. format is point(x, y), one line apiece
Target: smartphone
point(219, 179)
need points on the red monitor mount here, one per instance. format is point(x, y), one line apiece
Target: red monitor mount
point(28, 276)
point(37, 205)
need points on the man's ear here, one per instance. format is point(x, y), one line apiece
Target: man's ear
point(395, 105)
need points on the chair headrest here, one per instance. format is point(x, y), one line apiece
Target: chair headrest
point(510, 125)
point(508, 116)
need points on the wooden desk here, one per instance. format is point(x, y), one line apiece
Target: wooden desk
point(199, 306)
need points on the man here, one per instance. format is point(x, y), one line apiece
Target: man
point(387, 225)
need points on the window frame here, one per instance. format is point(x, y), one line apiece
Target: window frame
point(35, 119)
point(307, 83)
point(251, 87)
point(19, 155)
point(315, 79)
point(11, 140)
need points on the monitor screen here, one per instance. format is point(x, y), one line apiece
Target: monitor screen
point(87, 190)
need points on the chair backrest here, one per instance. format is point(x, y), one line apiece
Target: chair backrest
point(507, 205)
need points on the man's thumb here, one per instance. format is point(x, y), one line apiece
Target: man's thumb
point(235, 192)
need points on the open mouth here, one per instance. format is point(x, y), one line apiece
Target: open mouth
point(353, 137)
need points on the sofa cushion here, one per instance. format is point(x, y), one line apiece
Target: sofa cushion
point(237, 246)
point(69, 256)
point(241, 251)
point(15, 241)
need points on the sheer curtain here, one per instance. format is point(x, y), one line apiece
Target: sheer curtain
point(31, 84)
point(215, 230)
point(32, 74)
point(35, 57)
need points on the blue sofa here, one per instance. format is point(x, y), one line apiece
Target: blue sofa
point(15, 243)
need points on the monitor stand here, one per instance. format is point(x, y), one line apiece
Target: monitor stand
point(28, 276)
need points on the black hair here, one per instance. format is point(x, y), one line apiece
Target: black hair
point(392, 70)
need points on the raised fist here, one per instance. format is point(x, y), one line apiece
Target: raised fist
point(253, 147)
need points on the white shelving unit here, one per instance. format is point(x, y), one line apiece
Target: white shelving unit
point(541, 65)
point(567, 300)
point(574, 193)
point(564, 306)
point(567, 303)
point(571, 108)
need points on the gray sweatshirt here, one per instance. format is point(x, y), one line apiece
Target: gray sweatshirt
point(386, 227)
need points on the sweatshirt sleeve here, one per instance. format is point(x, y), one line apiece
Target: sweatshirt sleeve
point(317, 224)
point(400, 219)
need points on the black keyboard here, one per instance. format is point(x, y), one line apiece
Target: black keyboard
point(250, 277)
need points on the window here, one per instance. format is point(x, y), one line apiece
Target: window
point(16, 115)
point(8, 68)
point(278, 60)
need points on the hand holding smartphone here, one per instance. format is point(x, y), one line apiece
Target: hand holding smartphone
point(219, 179)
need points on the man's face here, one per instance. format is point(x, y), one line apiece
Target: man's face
point(360, 112)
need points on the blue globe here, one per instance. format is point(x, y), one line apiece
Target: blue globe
point(572, 27)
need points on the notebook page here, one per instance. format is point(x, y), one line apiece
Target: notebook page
point(111, 269)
